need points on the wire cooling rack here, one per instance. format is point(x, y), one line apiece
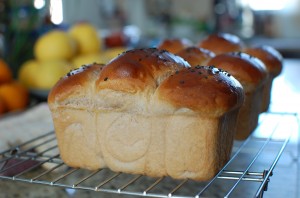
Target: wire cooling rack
point(249, 170)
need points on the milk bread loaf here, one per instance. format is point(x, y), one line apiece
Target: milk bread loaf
point(147, 112)
point(251, 73)
point(273, 61)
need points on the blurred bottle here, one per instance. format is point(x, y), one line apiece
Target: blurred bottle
point(247, 22)
point(233, 17)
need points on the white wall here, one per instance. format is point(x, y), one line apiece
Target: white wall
point(135, 11)
point(85, 10)
point(287, 21)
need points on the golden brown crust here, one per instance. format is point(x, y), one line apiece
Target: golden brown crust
point(247, 69)
point(221, 43)
point(269, 56)
point(75, 81)
point(137, 69)
point(174, 45)
point(196, 55)
point(203, 89)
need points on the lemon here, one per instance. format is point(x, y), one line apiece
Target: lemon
point(36, 74)
point(86, 38)
point(85, 59)
point(101, 57)
point(111, 53)
point(55, 44)
point(27, 73)
point(50, 72)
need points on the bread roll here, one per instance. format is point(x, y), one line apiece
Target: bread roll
point(222, 43)
point(147, 112)
point(174, 45)
point(273, 62)
point(195, 55)
point(251, 73)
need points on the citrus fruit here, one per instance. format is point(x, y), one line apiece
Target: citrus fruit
point(49, 72)
point(14, 95)
point(84, 59)
point(27, 73)
point(55, 44)
point(86, 37)
point(5, 72)
point(111, 53)
point(2, 106)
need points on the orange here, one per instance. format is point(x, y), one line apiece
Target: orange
point(2, 106)
point(5, 72)
point(14, 95)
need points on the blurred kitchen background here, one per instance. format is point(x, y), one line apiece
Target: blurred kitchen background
point(139, 23)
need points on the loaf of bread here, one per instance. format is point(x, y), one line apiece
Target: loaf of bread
point(147, 112)
point(220, 43)
point(174, 45)
point(251, 73)
point(196, 55)
point(273, 62)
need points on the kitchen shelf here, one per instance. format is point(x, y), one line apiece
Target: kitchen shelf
point(249, 169)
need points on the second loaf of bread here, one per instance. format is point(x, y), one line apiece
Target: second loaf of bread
point(147, 112)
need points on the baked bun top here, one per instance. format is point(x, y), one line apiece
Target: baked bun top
point(204, 89)
point(139, 69)
point(75, 82)
point(174, 45)
point(221, 43)
point(248, 70)
point(196, 55)
point(149, 81)
point(269, 56)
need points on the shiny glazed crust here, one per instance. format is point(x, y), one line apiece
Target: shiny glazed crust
point(147, 112)
point(221, 43)
point(196, 55)
point(252, 74)
point(203, 89)
point(77, 84)
point(273, 62)
point(269, 56)
point(248, 70)
point(174, 45)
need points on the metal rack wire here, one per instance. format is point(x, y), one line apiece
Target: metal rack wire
point(37, 161)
